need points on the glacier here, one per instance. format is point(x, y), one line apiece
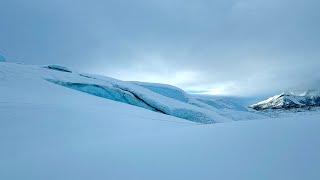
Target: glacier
point(52, 131)
point(137, 95)
point(161, 98)
point(165, 99)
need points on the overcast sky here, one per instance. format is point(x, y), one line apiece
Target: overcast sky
point(238, 47)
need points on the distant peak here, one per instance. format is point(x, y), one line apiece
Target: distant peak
point(309, 98)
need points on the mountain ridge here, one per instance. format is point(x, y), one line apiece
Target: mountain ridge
point(286, 101)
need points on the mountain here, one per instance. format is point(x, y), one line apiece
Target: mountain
point(308, 99)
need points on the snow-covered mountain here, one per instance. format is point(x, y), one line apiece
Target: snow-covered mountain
point(308, 99)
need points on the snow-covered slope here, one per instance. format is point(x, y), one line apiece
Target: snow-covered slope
point(308, 99)
point(113, 89)
point(221, 105)
point(48, 131)
point(165, 90)
point(215, 102)
point(161, 98)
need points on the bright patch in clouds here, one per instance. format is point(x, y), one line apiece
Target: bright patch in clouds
point(227, 88)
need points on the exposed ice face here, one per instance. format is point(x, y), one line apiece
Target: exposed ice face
point(108, 92)
point(2, 58)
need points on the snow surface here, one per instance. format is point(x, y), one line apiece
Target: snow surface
point(48, 131)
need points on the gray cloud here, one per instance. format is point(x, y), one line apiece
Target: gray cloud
point(230, 46)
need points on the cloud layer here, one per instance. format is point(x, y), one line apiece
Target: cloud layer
point(240, 47)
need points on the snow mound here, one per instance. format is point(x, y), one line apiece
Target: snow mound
point(310, 98)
